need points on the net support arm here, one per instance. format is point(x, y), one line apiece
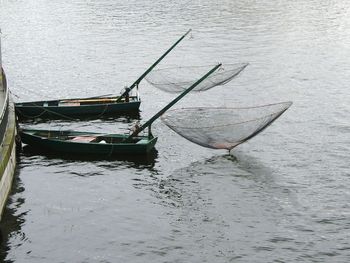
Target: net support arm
point(167, 107)
point(136, 83)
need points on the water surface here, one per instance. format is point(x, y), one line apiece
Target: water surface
point(281, 197)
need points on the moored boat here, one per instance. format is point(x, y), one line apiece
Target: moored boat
point(88, 142)
point(94, 107)
point(7, 140)
point(101, 144)
point(79, 107)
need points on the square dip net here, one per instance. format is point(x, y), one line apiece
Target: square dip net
point(223, 128)
point(178, 79)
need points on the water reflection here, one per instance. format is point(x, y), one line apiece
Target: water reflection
point(12, 221)
point(185, 185)
point(234, 203)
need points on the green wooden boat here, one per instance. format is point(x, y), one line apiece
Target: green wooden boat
point(101, 144)
point(94, 107)
point(78, 107)
point(87, 143)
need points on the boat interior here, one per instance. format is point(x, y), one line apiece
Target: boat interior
point(66, 136)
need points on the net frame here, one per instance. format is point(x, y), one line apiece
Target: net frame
point(186, 131)
point(177, 79)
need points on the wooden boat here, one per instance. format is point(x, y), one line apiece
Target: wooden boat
point(79, 107)
point(94, 107)
point(101, 144)
point(134, 160)
point(88, 143)
point(8, 137)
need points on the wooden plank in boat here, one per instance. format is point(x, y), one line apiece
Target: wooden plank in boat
point(83, 138)
point(69, 103)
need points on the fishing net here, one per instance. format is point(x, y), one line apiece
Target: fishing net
point(176, 80)
point(223, 128)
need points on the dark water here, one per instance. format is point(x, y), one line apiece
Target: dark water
point(282, 197)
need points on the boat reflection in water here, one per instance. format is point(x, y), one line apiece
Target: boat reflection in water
point(12, 221)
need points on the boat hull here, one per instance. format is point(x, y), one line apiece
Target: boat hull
point(141, 145)
point(55, 109)
point(7, 141)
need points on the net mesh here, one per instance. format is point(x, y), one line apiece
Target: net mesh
point(223, 128)
point(176, 80)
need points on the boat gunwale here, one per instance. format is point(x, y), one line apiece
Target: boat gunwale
point(30, 132)
point(22, 104)
point(6, 100)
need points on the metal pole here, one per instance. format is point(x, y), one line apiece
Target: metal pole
point(156, 116)
point(151, 67)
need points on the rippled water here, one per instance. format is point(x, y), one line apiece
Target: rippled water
point(283, 196)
